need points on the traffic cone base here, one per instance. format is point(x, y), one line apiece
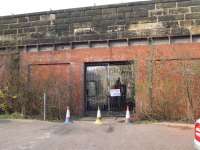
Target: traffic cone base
point(98, 121)
point(67, 118)
point(127, 119)
point(67, 121)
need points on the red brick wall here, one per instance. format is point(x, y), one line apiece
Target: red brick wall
point(161, 70)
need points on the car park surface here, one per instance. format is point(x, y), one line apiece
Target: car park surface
point(85, 135)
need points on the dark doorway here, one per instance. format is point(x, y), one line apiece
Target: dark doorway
point(111, 86)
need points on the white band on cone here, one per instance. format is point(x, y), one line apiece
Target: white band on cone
point(68, 114)
point(127, 113)
point(98, 113)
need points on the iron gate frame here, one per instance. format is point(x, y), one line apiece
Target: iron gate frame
point(105, 63)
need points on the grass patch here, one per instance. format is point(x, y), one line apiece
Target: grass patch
point(11, 116)
point(160, 121)
point(146, 121)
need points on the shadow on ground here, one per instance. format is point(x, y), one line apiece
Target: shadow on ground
point(4, 121)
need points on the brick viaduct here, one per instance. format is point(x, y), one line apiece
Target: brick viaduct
point(159, 35)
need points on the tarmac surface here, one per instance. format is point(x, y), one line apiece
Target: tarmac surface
point(85, 135)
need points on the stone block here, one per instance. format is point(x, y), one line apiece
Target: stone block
point(144, 19)
point(23, 19)
point(170, 24)
point(195, 30)
point(186, 23)
point(165, 1)
point(48, 17)
point(20, 30)
point(124, 9)
point(158, 12)
point(38, 34)
point(42, 29)
point(30, 41)
point(30, 29)
point(60, 21)
point(63, 15)
point(180, 31)
point(34, 18)
point(81, 19)
point(108, 17)
point(93, 12)
point(8, 20)
point(171, 17)
point(10, 31)
point(195, 9)
point(175, 11)
point(62, 27)
point(188, 3)
point(192, 16)
point(109, 11)
point(166, 5)
point(131, 34)
point(144, 33)
point(197, 22)
point(20, 25)
point(1, 33)
point(161, 32)
point(140, 13)
point(4, 26)
point(77, 13)
point(40, 23)
point(142, 26)
point(150, 6)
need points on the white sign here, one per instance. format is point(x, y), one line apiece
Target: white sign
point(115, 92)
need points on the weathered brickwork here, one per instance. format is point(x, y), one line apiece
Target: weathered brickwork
point(160, 36)
point(130, 20)
point(168, 63)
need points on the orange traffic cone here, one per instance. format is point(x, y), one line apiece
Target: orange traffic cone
point(128, 116)
point(98, 120)
point(67, 118)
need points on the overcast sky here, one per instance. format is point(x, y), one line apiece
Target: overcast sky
point(9, 7)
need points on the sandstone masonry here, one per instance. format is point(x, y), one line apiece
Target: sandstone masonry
point(158, 18)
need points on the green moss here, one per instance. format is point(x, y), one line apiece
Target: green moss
point(11, 116)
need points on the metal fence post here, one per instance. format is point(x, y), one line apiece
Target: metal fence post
point(44, 106)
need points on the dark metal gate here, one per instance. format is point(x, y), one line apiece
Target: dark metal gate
point(110, 86)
